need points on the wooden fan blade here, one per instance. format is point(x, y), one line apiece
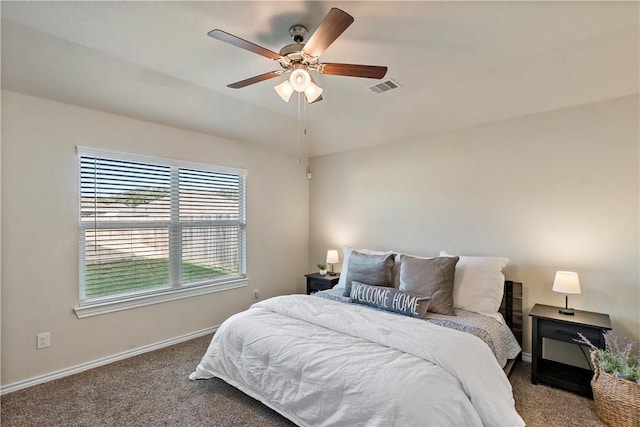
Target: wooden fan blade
point(353, 70)
point(318, 99)
point(255, 79)
point(241, 43)
point(328, 31)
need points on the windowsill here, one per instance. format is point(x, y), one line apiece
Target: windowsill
point(98, 308)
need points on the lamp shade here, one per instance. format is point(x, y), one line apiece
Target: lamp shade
point(285, 90)
point(299, 79)
point(332, 256)
point(312, 92)
point(566, 282)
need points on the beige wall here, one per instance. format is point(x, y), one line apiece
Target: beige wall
point(551, 191)
point(40, 236)
point(558, 190)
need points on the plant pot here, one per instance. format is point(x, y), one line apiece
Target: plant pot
point(323, 272)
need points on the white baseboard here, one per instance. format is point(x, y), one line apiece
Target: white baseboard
point(526, 357)
point(104, 361)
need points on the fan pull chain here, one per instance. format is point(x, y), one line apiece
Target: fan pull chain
point(303, 142)
point(299, 128)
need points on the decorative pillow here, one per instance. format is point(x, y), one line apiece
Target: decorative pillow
point(430, 277)
point(395, 271)
point(389, 299)
point(479, 283)
point(346, 254)
point(372, 269)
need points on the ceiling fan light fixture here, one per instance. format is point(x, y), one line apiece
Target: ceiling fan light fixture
point(312, 92)
point(299, 58)
point(300, 79)
point(285, 90)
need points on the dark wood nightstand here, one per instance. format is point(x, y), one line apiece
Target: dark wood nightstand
point(548, 323)
point(316, 282)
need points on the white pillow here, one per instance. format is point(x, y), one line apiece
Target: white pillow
point(479, 284)
point(346, 253)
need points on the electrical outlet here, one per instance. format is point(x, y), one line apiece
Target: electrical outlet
point(256, 294)
point(43, 340)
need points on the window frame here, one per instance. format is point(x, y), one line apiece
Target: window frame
point(175, 290)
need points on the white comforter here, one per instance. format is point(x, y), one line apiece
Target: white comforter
point(320, 362)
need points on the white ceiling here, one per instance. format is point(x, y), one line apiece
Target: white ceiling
point(459, 64)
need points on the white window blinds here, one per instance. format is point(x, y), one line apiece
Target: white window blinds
point(148, 225)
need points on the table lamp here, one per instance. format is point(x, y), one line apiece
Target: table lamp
point(566, 282)
point(332, 258)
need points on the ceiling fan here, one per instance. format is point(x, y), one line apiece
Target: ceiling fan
point(298, 58)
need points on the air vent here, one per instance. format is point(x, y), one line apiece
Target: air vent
point(384, 86)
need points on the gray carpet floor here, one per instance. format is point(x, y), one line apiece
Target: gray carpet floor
point(153, 389)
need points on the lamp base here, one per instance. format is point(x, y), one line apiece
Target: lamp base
point(567, 311)
point(331, 273)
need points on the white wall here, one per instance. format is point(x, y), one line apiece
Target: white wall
point(551, 191)
point(40, 235)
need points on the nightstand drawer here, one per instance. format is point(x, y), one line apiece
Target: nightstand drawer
point(567, 332)
point(317, 283)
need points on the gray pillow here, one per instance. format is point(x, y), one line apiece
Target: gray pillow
point(430, 277)
point(366, 268)
point(389, 299)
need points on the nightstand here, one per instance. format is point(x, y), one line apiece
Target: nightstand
point(548, 323)
point(316, 282)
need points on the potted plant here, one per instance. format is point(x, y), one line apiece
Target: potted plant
point(323, 268)
point(616, 381)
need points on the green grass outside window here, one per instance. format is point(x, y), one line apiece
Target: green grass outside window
point(120, 277)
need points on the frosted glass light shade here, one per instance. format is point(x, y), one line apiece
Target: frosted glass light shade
point(299, 79)
point(566, 282)
point(312, 92)
point(285, 90)
point(332, 256)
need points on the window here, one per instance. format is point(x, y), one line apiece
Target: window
point(152, 226)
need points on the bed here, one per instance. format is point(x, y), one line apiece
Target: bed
point(331, 359)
